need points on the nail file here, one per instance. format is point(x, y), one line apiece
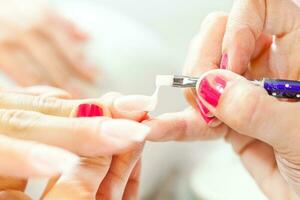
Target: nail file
point(278, 88)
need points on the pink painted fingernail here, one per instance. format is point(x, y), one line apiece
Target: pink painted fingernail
point(204, 111)
point(89, 110)
point(202, 108)
point(211, 88)
point(224, 61)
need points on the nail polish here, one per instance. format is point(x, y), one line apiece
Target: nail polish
point(204, 111)
point(95, 111)
point(202, 108)
point(89, 110)
point(224, 61)
point(211, 88)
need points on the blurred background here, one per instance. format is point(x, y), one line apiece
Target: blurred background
point(130, 42)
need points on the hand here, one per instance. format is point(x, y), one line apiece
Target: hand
point(46, 51)
point(87, 142)
point(107, 177)
point(253, 121)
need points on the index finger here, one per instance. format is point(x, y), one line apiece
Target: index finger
point(67, 107)
point(182, 126)
point(206, 49)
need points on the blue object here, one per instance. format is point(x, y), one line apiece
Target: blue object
point(282, 88)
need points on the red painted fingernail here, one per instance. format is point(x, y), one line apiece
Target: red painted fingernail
point(204, 112)
point(89, 110)
point(224, 61)
point(96, 111)
point(211, 88)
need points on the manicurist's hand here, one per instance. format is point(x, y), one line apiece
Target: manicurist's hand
point(262, 129)
point(36, 126)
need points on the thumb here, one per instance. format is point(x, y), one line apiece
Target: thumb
point(248, 109)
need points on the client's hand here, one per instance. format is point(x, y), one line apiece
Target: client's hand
point(45, 119)
point(47, 50)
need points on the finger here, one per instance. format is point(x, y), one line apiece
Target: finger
point(45, 103)
point(247, 108)
point(70, 52)
point(244, 27)
point(82, 182)
point(206, 49)
point(112, 104)
point(27, 65)
point(132, 188)
point(13, 195)
point(248, 20)
point(12, 183)
point(63, 23)
point(44, 54)
point(114, 183)
point(37, 160)
point(83, 136)
point(41, 90)
point(134, 107)
point(185, 125)
point(47, 91)
point(10, 61)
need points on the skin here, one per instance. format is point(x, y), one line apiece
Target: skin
point(48, 52)
point(266, 140)
point(100, 174)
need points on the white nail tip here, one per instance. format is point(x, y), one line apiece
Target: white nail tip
point(120, 129)
point(164, 80)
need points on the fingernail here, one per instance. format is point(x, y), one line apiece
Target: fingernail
point(125, 130)
point(204, 112)
point(211, 88)
point(134, 103)
point(51, 161)
point(224, 61)
point(202, 108)
point(89, 110)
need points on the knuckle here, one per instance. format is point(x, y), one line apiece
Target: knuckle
point(17, 120)
point(51, 105)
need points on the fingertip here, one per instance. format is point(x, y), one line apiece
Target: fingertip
point(134, 107)
point(238, 48)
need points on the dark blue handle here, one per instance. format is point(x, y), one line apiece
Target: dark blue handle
point(282, 88)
